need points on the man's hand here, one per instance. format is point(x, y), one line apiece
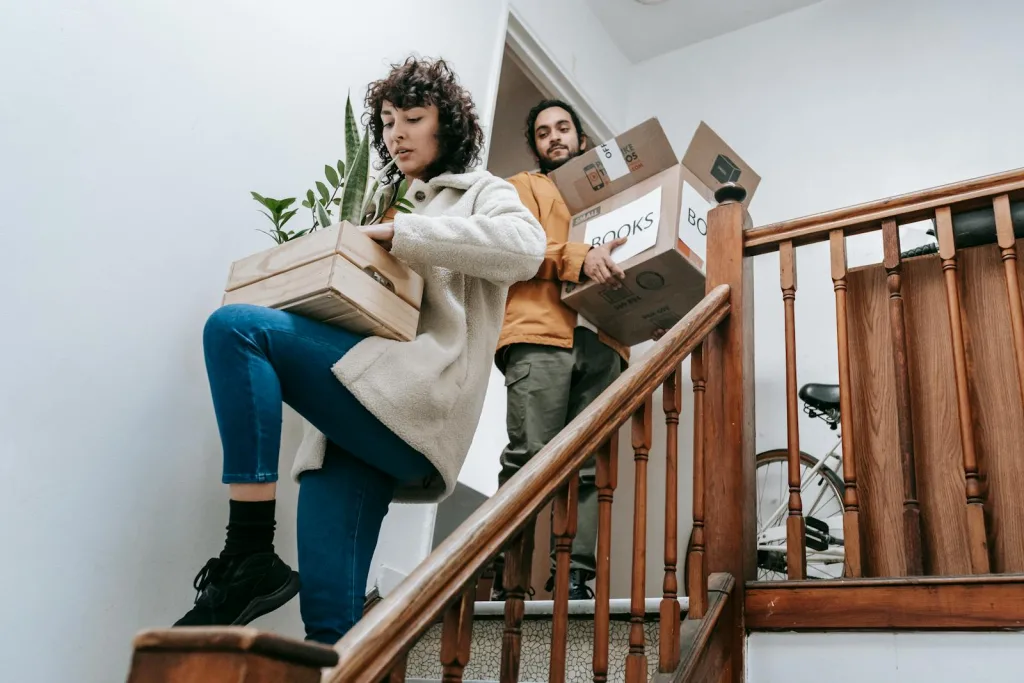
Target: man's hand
point(381, 234)
point(599, 266)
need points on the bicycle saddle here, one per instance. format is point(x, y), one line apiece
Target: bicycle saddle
point(821, 396)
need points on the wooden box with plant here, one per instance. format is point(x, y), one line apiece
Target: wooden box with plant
point(331, 271)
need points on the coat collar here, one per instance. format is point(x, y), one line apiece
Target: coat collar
point(457, 181)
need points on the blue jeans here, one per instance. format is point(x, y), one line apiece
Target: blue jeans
point(257, 359)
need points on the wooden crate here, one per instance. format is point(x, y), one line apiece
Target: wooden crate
point(337, 275)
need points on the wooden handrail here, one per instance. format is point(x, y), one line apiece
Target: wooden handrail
point(367, 651)
point(905, 208)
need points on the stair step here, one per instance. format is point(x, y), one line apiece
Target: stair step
point(577, 608)
point(465, 680)
point(423, 663)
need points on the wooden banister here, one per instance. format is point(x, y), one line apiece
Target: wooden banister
point(905, 208)
point(379, 639)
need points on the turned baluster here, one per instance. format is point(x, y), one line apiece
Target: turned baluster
point(698, 577)
point(564, 531)
point(668, 624)
point(975, 501)
point(516, 580)
point(796, 536)
point(605, 480)
point(457, 636)
point(636, 660)
point(1008, 252)
point(904, 414)
point(851, 502)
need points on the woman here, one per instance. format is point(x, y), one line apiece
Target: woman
point(384, 419)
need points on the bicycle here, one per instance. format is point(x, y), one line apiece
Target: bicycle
point(821, 492)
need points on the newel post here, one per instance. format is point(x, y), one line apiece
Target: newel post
point(730, 516)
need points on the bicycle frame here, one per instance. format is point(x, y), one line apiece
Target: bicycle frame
point(776, 517)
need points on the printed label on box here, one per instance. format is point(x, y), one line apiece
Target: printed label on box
point(637, 221)
point(693, 221)
point(612, 160)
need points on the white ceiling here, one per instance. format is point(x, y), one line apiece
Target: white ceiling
point(645, 31)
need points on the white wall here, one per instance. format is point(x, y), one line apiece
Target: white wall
point(582, 48)
point(903, 657)
point(843, 102)
point(130, 136)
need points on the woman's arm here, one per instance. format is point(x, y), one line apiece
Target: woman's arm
point(500, 242)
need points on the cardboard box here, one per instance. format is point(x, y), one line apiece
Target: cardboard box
point(634, 187)
point(339, 276)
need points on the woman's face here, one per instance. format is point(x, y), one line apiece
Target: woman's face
point(411, 137)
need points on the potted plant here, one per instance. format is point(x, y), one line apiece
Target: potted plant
point(330, 270)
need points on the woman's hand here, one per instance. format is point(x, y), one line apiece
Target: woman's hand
point(381, 234)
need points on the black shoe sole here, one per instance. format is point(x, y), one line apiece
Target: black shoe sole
point(268, 603)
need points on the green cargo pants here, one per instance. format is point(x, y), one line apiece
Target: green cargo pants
point(547, 388)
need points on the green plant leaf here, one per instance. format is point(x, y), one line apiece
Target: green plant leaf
point(332, 177)
point(287, 216)
point(260, 198)
point(306, 205)
point(341, 169)
point(272, 235)
point(323, 217)
point(300, 233)
point(285, 203)
point(355, 183)
point(309, 197)
point(352, 141)
point(269, 217)
point(269, 202)
point(336, 201)
point(325, 195)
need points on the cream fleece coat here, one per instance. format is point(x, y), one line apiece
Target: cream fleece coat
point(470, 237)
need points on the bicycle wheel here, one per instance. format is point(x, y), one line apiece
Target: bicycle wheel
point(821, 493)
point(772, 471)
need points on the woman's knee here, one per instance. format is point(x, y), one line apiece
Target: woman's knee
point(232, 319)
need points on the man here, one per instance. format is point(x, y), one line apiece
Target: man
point(555, 362)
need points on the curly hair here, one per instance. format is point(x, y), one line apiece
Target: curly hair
point(421, 82)
point(531, 122)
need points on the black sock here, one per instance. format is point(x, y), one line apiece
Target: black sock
point(250, 528)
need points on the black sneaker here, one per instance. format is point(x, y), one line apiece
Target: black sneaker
point(578, 588)
point(234, 591)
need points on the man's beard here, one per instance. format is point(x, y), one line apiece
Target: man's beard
point(549, 165)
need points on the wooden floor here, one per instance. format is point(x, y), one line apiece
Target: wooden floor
point(995, 404)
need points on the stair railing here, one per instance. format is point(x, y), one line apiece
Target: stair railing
point(444, 583)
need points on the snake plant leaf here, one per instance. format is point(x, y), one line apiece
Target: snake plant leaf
point(351, 135)
point(323, 217)
point(355, 183)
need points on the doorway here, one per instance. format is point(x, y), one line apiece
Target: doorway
point(528, 75)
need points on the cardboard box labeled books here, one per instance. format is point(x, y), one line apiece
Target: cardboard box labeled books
point(337, 275)
point(634, 187)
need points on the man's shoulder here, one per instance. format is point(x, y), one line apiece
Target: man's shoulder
point(538, 183)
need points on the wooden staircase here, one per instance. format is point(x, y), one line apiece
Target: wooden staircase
point(893, 572)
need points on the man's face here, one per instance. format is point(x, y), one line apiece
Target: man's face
point(556, 138)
